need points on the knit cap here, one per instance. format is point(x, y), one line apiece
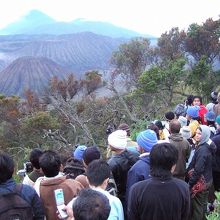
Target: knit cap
point(182, 120)
point(193, 111)
point(78, 153)
point(210, 116)
point(186, 132)
point(217, 120)
point(118, 139)
point(147, 139)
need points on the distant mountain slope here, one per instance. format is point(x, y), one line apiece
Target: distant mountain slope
point(29, 72)
point(37, 22)
point(78, 52)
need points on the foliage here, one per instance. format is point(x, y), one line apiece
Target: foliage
point(161, 81)
point(215, 215)
point(131, 59)
point(93, 81)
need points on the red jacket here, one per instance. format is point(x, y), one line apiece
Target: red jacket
point(202, 111)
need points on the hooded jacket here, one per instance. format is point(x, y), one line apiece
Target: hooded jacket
point(202, 159)
point(138, 172)
point(216, 162)
point(202, 111)
point(47, 186)
point(184, 149)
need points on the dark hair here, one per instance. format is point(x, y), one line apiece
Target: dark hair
point(34, 157)
point(169, 116)
point(97, 172)
point(90, 205)
point(211, 123)
point(174, 126)
point(159, 124)
point(90, 154)
point(50, 163)
point(198, 97)
point(73, 168)
point(162, 157)
point(154, 128)
point(189, 100)
point(6, 167)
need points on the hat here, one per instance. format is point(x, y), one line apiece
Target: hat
point(78, 153)
point(182, 120)
point(217, 120)
point(124, 127)
point(210, 116)
point(186, 132)
point(118, 139)
point(193, 111)
point(169, 116)
point(147, 139)
point(90, 154)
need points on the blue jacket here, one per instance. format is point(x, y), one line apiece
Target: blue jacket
point(28, 194)
point(138, 172)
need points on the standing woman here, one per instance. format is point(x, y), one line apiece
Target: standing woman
point(200, 172)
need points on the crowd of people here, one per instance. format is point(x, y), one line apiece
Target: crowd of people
point(170, 172)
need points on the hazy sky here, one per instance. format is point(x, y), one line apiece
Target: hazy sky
point(145, 16)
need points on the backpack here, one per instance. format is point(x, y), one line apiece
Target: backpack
point(14, 207)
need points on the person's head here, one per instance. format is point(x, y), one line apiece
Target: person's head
point(189, 100)
point(90, 154)
point(214, 97)
point(50, 163)
point(192, 112)
point(90, 205)
point(146, 140)
point(7, 167)
point(154, 128)
point(210, 118)
point(98, 173)
point(197, 100)
point(217, 120)
point(183, 121)
point(117, 140)
point(73, 168)
point(169, 116)
point(180, 110)
point(34, 157)
point(202, 134)
point(186, 132)
point(79, 151)
point(174, 126)
point(163, 158)
point(159, 124)
point(124, 127)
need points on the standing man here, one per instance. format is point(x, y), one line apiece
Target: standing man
point(183, 147)
point(161, 197)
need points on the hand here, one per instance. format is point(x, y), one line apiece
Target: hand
point(69, 212)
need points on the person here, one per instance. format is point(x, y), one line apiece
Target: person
point(31, 178)
point(91, 205)
point(214, 97)
point(121, 161)
point(197, 101)
point(216, 107)
point(161, 197)
point(154, 128)
point(78, 152)
point(183, 147)
point(26, 192)
point(183, 121)
point(216, 163)
point(160, 126)
point(141, 169)
point(200, 172)
point(210, 121)
point(131, 145)
point(192, 115)
point(169, 116)
point(50, 163)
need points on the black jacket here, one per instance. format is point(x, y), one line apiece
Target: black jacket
point(155, 199)
point(202, 163)
point(216, 161)
point(120, 164)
